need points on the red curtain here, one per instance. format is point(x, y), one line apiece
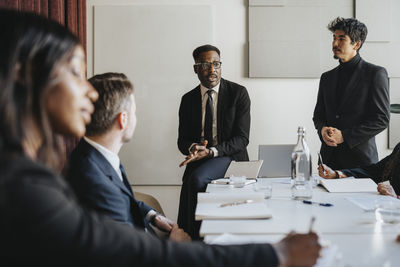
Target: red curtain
point(71, 13)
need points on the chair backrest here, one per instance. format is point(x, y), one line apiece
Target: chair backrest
point(276, 160)
point(150, 201)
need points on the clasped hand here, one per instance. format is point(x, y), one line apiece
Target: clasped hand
point(197, 152)
point(332, 136)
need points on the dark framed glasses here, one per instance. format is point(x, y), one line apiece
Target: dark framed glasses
point(207, 65)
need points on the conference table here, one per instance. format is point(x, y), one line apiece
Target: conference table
point(353, 236)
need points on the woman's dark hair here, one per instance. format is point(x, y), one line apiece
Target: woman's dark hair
point(31, 47)
point(355, 29)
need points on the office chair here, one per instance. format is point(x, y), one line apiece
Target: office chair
point(149, 200)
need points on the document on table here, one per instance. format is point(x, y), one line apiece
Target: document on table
point(229, 206)
point(329, 253)
point(370, 203)
point(250, 169)
point(349, 185)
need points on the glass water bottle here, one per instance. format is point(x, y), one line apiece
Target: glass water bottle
point(301, 168)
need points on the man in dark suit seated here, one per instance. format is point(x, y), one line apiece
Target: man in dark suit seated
point(388, 169)
point(95, 171)
point(353, 101)
point(214, 126)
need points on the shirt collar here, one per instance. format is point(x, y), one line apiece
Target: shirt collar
point(205, 89)
point(108, 154)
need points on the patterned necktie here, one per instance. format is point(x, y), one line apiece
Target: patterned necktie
point(208, 122)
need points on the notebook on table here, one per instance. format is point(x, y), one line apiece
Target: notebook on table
point(349, 185)
point(231, 206)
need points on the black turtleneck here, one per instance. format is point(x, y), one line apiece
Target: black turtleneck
point(345, 71)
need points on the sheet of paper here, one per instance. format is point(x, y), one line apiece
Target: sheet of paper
point(250, 169)
point(370, 203)
point(347, 185)
point(329, 253)
point(229, 197)
point(214, 211)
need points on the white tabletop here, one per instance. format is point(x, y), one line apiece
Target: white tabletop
point(360, 238)
point(351, 250)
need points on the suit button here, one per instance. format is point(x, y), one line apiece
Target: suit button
point(337, 116)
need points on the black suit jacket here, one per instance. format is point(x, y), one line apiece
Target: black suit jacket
point(375, 171)
point(233, 120)
point(42, 224)
point(363, 113)
point(99, 187)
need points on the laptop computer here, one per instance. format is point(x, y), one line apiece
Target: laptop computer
point(276, 160)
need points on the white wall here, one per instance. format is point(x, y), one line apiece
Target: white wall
point(279, 106)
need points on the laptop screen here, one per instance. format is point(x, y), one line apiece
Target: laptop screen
point(276, 160)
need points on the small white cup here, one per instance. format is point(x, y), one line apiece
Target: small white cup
point(264, 186)
point(237, 181)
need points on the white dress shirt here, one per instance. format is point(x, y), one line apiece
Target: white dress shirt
point(204, 98)
point(111, 157)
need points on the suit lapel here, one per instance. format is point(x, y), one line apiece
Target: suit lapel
point(331, 91)
point(351, 86)
point(220, 108)
point(197, 111)
point(106, 167)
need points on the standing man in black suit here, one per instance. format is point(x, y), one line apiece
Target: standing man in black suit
point(214, 126)
point(95, 171)
point(353, 101)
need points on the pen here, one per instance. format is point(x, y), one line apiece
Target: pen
point(312, 223)
point(321, 162)
point(236, 203)
point(317, 203)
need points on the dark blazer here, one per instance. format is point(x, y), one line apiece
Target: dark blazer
point(233, 120)
point(363, 113)
point(42, 224)
point(99, 187)
point(375, 171)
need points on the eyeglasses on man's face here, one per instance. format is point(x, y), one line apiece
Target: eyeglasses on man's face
point(207, 65)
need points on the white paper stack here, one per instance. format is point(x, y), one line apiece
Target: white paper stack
point(231, 206)
point(349, 185)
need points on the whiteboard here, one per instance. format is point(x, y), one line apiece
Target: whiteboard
point(152, 45)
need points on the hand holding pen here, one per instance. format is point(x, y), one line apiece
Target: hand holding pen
point(199, 151)
point(300, 249)
point(323, 170)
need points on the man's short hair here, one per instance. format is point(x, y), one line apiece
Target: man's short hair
point(114, 97)
point(356, 30)
point(202, 49)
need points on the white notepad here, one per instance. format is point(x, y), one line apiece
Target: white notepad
point(250, 169)
point(349, 185)
point(370, 203)
point(209, 206)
